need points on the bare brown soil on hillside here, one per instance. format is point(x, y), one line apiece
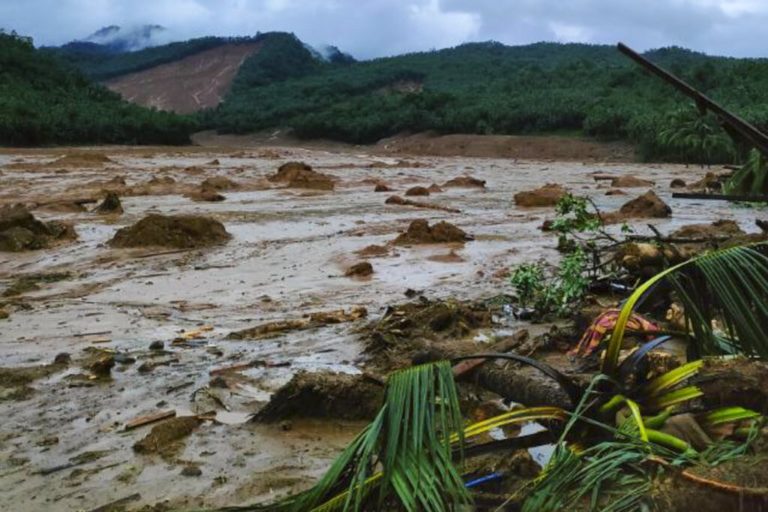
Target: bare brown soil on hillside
point(194, 83)
point(508, 146)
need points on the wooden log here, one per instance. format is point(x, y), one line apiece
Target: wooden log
point(140, 421)
point(720, 197)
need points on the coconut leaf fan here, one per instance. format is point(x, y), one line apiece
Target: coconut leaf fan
point(725, 298)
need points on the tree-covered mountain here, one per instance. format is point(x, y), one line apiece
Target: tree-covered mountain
point(490, 88)
point(43, 101)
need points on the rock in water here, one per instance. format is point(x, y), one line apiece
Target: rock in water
point(219, 183)
point(301, 175)
point(649, 205)
point(178, 231)
point(465, 182)
point(420, 232)
point(21, 231)
point(417, 191)
point(548, 195)
point(362, 269)
point(630, 182)
point(110, 205)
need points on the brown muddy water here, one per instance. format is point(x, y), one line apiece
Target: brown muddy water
point(288, 255)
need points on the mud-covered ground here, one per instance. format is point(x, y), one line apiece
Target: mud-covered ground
point(63, 445)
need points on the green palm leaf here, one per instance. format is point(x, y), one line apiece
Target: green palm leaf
point(729, 286)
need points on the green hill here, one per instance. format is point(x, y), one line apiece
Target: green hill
point(43, 101)
point(490, 88)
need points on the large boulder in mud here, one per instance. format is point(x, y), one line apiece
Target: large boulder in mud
point(548, 195)
point(718, 229)
point(710, 181)
point(289, 171)
point(465, 182)
point(219, 183)
point(417, 191)
point(21, 231)
point(111, 205)
point(324, 395)
point(630, 182)
point(178, 231)
point(420, 232)
point(649, 205)
point(301, 175)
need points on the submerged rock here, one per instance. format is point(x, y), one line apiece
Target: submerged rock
point(180, 231)
point(420, 232)
point(465, 182)
point(165, 438)
point(219, 183)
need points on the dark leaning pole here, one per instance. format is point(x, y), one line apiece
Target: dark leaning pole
point(735, 126)
point(730, 121)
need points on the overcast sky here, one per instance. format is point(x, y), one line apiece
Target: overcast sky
point(373, 28)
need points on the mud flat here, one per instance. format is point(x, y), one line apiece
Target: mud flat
point(147, 328)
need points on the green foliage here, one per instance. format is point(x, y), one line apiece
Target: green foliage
point(695, 137)
point(98, 64)
point(411, 438)
point(45, 102)
point(751, 179)
point(491, 88)
point(281, 57)
point(724, 295)
point(556, 293)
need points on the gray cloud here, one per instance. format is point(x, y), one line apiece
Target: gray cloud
point(373, 28)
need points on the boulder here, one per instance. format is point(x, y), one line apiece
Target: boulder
point(417, 191)
point(420, 232)
point(301, 175)
point(178, 231)
point(465, 182)
point(630, 182)
point(718, 229)
point(219, 183)
point(677, 183)
point(110, 205)
point(21, 231)
point(548, 195)
point(647, 206)
point(362, 269)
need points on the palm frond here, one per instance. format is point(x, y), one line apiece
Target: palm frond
point(729, 286)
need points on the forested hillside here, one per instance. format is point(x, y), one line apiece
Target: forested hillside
point(492, 88)
point(43, 101)
point(100, 63)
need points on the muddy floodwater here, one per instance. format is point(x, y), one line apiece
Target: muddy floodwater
point(64, 445)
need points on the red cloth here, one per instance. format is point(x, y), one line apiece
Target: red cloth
point(603, 326)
